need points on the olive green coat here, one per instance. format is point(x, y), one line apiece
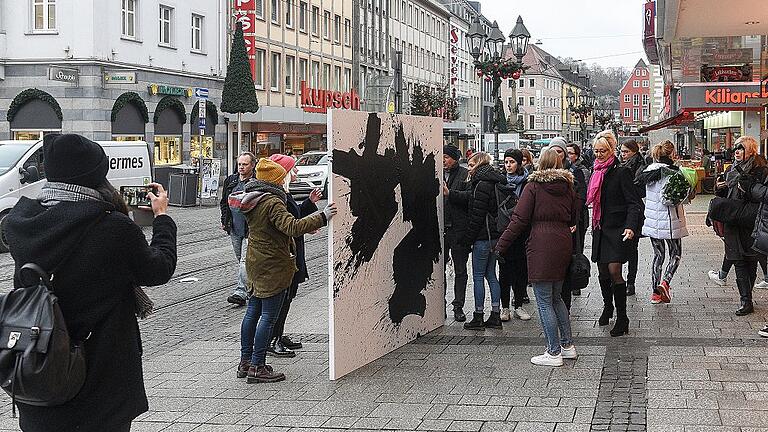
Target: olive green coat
point(271, 256)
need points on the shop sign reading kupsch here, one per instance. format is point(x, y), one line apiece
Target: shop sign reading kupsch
point(319, 100)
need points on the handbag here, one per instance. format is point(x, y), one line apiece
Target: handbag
point(41, 364)
point(580, 268)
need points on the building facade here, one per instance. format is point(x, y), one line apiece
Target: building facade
point(464, 84)
point(297, 46)
point(635, 97)
point(538, 95)
point(121, 70)
point(419, 30)
point(371, 57)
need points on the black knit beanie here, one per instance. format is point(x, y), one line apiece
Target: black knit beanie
point(74, 159)
point(452, 152)
point(515, 154)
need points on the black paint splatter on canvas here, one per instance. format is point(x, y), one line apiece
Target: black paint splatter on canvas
point(373, 179)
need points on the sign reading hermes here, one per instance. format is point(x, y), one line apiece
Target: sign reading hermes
point(318, 101)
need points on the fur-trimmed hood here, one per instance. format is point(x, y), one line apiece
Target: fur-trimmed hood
point(550, 176)
point(556, 182)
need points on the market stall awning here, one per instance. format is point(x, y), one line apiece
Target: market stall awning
point(683, 117)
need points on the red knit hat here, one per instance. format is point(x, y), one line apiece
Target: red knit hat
point(284, 161)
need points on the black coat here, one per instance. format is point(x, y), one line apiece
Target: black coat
point(516, 250)
point(455, 205)
point(306, 208)
point(482, 205)
point(759, 194)
point(95, 291)
point(226, 214)
point(621, 208)
point(739, 239)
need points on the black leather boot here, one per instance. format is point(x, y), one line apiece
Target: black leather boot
point(745, 294)
point(605, 289)
point(494, 321)
point(745, 309)
point(476, 323)
point(621, 326)
point(630, 289)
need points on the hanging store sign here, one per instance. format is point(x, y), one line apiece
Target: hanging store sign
point(454, 65)
point(736, 96)
point(726, 73)
point(245, 13)
point(119, 77)
point(63, 74)
point(319, 100)
point(162, 89)
point(649, 32)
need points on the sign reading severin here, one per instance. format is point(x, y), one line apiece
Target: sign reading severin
point(318, 100)
point(454, 66)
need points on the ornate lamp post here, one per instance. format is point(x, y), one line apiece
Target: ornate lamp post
point(488, 52)
point(582, 107)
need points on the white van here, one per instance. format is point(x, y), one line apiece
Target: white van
point(22, 170)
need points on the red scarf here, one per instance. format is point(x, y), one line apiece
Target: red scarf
point(594, 193)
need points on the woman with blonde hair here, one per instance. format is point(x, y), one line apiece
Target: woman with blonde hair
point(482, 235)
point(616, 208)
point(749, 170)
point(550, 207)
point(664, 221)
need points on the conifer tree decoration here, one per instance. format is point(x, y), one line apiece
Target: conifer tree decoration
point(239, 94)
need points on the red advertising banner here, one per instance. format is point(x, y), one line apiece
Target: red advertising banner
point(649, 32)
point(245, 13)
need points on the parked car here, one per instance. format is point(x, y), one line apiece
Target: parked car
point(312, 173)
point(22, 171)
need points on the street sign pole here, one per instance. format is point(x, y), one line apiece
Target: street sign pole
point(202, 98)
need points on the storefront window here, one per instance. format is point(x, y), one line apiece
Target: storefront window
point(167, 150)
point(127, 137)
point(724, 138)
point(27, 135)
point(194, 147)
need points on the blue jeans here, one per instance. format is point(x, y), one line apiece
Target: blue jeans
point(553, 314)
point(484, 268)
point(256, 330)
point(240, 246)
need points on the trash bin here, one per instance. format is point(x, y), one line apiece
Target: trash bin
point(182, 189)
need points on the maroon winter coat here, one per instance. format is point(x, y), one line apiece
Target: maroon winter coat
point(550, 207)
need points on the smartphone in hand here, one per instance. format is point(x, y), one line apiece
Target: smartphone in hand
point(137, 196)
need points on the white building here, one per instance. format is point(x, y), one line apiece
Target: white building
point(113, 70)
point(464, 83)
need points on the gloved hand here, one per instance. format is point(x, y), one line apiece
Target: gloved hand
point(745, 182)
point(499, 257)
point(330, 211)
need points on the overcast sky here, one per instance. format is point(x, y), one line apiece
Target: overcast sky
point(582, 29)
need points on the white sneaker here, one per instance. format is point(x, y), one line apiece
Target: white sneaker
point(522, 314)
point(763, 332)
point(547, 359)
point(761, 285)
point(714, 276)
point(505, 314)
point(569, 353)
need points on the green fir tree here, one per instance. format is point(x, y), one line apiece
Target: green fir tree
point(239, 94)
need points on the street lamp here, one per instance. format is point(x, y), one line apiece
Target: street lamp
point(586, 103)
point(488, 52)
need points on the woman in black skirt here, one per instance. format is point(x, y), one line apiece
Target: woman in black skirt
point(616, 212)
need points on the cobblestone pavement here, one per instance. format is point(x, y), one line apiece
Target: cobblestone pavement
point(688, 366)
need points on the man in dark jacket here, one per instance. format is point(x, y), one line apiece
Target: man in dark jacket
point(234, 222)
point(456, 217)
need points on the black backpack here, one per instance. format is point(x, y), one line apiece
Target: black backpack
point(40, 363)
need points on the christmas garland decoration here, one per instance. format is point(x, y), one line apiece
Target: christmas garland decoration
point(210, 111)
point(170, 102)
point(27, 95)
point(504, 69)
point(130, 98)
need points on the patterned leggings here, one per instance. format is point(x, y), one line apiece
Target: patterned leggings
point(675, 252)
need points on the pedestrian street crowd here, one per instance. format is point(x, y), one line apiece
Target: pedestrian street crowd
point(505, 218)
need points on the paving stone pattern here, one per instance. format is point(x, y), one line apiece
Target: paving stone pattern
point(688, 366)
